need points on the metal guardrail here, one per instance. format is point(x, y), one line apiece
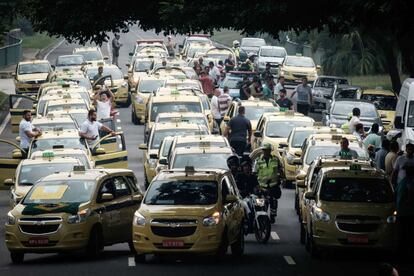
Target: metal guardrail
point(11, 53)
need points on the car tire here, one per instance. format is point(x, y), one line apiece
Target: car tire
point(134, 118)
point(17, 257)
point(302, 234)
point(140, 258)
point(224, 244)
point(311, 247)
point(297, 203)
point(95, 244)
point(237, 248)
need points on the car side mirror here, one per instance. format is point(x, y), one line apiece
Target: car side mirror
point(300, 183)
point(297, 161)
point(163, 161)
point(128, 64)
point(230, 199)
point(310, 195)
point(283, 145)
point(106, 197)
point(257, 134)
point(226, 118)
point(17, 154)
point(137, 198)
point(99, 151)
point(298, 153)
point(153, 156)
point(398, 122)
point(143, 146)
point(126, 77)
point(9, 182)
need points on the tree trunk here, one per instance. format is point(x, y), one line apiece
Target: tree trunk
point(392, 67)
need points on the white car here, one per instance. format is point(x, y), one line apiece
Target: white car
point(270, 54)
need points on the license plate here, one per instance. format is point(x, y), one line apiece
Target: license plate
point(298, 80)
point(358, 239)
point(38, 241)
point(173, 243)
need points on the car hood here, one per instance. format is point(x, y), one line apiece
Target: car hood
point(250, 49)
point(323, 90)
point(300, 70)
point(278, 60)
point(30, 77)
point(177, 211)
point(381, 210)
point(341, 119)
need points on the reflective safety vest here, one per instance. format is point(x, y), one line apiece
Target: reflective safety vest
point(345, 127)
point(267, 173)
point(237, 52)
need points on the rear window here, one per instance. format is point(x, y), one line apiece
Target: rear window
point(369, 190)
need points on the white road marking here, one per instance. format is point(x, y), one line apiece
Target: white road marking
point(289, 260)
point(54, 48)
point(274, 235)
point(8, 117)
point(131, 261)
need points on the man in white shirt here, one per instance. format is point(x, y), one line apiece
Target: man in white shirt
point(103, 101)
point(214, 72)
point(27, 131)
point(215, 106)
point(354, 120)
point(279, 86)
point(89, 130)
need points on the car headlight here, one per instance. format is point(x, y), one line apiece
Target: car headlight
point(289, 158)
point(152, 163)
point(124, 84)
point(81, 216)
point(212, 220)
point(139, 99)
point(319, 215)
point(260, 202)
point(11, 220)
point(393, 218)
point(139, 220)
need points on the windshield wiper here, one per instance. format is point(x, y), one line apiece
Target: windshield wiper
point(26, 184)
point(275, 136)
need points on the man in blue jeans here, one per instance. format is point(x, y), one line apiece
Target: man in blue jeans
point(239, 132)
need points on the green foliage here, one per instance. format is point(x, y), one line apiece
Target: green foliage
point(38, 41)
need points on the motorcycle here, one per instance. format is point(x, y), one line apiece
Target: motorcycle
point(258, 221)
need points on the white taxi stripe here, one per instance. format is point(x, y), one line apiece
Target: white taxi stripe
point(289, 260)
point(131, 261)
point(274, 236)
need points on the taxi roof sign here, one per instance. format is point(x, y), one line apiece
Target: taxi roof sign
point(48, 154)
point(189, 170)
point(289, 113)
point(318, 124)
point(336, 137)
point(79, 168)
point(355, 167)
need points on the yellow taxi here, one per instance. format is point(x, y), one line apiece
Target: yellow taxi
point(385, 101)
point(275, 128)
point(29, 75)
point(158, 132)
point(29, 171)
point(191, 117)
point(294, 68)
point(173, 72)
point(92, 55)
point(79, 154)
point(189, 211)
point(254, 110)
point(317, 145)
point(140, 67)
point(293, 148)
point(71, 211)
point(350, 208)
point(64, 104)
point(70, 77)
point(184, 83)
point(65, 99)
point(113, 79)
point(140, 94)
point(194, 48)
point(51, 122)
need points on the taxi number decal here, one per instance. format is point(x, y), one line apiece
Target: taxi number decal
point(48, 192)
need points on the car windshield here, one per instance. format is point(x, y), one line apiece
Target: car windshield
point(61, 107)
point(33, 68)
point(272, 52)
point(202, 161)
point(192, 120)
point(84, 82)
point(346, 189)
point(253, 42)
point(193, 50)
point(158, 108)
point(149, 86)
point(143, 65)
point(255, 112)
point(282, 129)
point(344, 108)
point(69, 60)
point(329, 82)
point(300, 62)
point(161, 134)
point(48, 126)
point(381, 102)
point(410, 121)
point(317, 151)
point(232, 83)
point(60, 191)
point(90, 55)
point(345, 94)
point(30, 174)
point(67, 143)
point(115, 73)
point(299, 137)
point(180, 192)
point(79, 117)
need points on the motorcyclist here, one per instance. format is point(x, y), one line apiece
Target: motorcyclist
point(233, 163)
point(236, 49)
point(267, 168)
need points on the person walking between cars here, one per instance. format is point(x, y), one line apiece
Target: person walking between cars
point(391, 157)
point(401, 163)
point(207, 84)
point(170, 46)
point(215, 106)
point(27, 131)
point(266, 73)
point(279, 86)
point(103, 102)
point(115, 49)
point(380, 155)
point(98, 76)
point(239, 132)
point(268, 88)
point(359, 132)
point(224, 101)
point(345, 152)
point(89, 129)
point(229, 63)
point(283, 101)
point(373, 138)
point(267, 168)
point(256, 88)
point(304, 97)
point(356, 112)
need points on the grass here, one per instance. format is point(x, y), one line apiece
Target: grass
point(38, 41)
point(227, 37)
point(373, 81)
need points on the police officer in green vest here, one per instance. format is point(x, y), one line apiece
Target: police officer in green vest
point(345, 126)
point(267, 168)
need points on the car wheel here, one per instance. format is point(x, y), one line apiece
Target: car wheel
point(95, 244)
point(297, 204)
point(237, 248)
point(134, 118)
point(313, 250)
point(17, 257)
point(222, 250)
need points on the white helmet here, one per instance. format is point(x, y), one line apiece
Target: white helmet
point(236, 42)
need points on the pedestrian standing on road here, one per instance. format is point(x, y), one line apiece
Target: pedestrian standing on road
point(356, 112)
point(229, 63)
point(279, 86)
point(401, 163)
point(268, 88)
point(359, 132)
point(116, 45)
point(284, 102)
point(256, 88)
point(304, 97)
point(197, 68)
point(214, 72)
point(215, 106)
point(201, 62)
point(239, 131)
point(89, 129)
point(224, 101)
point(170, 46)
point(373, 138)
point(244, 88)
point(207, 84)
point(381, 154)
point(98, 76)
point(391, 156)
point(103, 101)
point(345, 152)
point(266, 73)
point(27, 131)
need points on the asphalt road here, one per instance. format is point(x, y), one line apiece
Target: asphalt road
point(283, 255)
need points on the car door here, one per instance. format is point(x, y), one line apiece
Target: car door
point(18, 104)
point(9, 160)
point(229, 213)
point(116, 157)
point(257, 141)
point(108, 144)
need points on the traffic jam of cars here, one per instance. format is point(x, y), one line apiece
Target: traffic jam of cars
point(226, 129)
